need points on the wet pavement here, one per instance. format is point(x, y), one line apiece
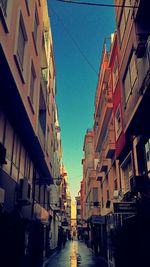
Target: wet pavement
point(75, 254)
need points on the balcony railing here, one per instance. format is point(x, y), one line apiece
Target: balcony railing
point(104, 111)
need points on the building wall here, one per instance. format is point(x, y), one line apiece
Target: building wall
point(28, 120)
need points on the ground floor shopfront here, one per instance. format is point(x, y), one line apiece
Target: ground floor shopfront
point(24, 229)
point(128, 237)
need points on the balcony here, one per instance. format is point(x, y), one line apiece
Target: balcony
point(99, 174)
point(104, 110)
point(103, 162)
point(110, 143)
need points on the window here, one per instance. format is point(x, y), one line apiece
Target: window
point(126, 171)
point(35, 30)
point(127, 89)
point(48, 141)
point(107, 194)
point(8, 143)
point(130, 78)
point(115, 184)
point(95, 194)
point(78, 212)
point(2, 124)
point(3, 5)
point(42, 112)
point(122, 25)
point(32, 83)
point(27, 5)
point(39, 2)
point(147, 154)
point(22, 38)
point(27, 167)
point(118, 124)
point(78, 202)
point(123, 20)
point(115, 73)
point(21, 45)
point(16, 151)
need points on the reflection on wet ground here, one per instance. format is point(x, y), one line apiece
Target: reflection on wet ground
point(75, 254)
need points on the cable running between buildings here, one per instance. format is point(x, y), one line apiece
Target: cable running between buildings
point(96, 4)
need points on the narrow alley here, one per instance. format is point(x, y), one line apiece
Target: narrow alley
point(75, 253)
point(74, 133)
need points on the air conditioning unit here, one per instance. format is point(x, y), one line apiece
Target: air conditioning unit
point(24, 192)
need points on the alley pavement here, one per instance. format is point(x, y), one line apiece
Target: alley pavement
point(75, 254)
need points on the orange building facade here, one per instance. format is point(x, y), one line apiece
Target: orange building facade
point(121, 140)
point(30, 147)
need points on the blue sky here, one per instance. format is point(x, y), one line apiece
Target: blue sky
point(78, 35)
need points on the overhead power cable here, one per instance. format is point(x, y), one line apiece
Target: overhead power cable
point(95, 4)
point(75, 42)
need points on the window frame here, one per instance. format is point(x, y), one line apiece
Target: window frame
point(115, 73)
point(35, 29)
point(118, 129)
point(128, 88)
point(28, 6)
point(95, 194)
point(128, 161)
point(3, 15)
point(147, 155)
point(3, 6)
point(123, 18)
point(32, 86)
point(20, 64)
